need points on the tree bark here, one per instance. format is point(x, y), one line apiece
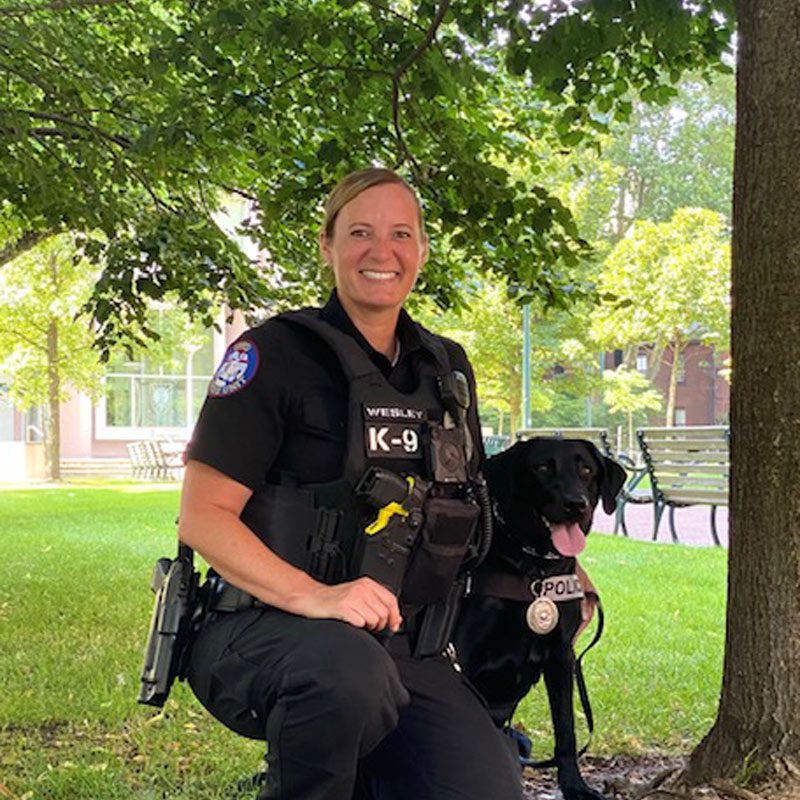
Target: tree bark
point(758, 722)
point(53, 428)
point(672, 392)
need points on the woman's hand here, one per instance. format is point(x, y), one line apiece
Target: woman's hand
point(363, 602)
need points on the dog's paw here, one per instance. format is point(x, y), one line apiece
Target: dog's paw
point(583, 792)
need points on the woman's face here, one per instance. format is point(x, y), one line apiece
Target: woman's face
point(377, 249)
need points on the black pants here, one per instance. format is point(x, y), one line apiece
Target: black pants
point(342, 716)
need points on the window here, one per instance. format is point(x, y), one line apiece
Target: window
point(680, 417)
point(681, 368)
point(617, 360)
point(163, 391)
point(641, 362)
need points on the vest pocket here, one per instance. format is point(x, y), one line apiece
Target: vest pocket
point(440, 548)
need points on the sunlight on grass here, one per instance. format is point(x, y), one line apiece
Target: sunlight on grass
point(75, 605)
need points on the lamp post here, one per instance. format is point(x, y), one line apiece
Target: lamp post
point(526, 366)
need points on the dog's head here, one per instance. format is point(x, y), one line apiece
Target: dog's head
point(547, 491)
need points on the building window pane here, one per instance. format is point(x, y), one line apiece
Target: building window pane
point(641, 362)
point(680, 417)
point(199, 391)
point(203, 359)
point(161, 403)
point(118, 401)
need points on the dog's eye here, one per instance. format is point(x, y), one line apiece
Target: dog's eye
point(543, 469)
point(585, 471)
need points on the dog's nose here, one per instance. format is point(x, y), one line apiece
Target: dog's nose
point(576, 504)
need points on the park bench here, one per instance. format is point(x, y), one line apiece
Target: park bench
point(687, 466)
point(599, 437)
point(152, 459)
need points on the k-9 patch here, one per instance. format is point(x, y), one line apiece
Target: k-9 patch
point(393, 432)
point(236, 370)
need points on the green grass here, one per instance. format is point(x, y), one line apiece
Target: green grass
point(74, 608)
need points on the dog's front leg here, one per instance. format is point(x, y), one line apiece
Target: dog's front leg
point(558, 678)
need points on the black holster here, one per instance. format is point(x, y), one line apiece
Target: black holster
point(175, 583)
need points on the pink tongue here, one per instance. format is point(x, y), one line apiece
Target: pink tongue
point(568, 539)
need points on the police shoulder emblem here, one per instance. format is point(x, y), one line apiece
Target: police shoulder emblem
point(236, 370)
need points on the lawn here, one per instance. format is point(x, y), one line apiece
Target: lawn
point(75, 605)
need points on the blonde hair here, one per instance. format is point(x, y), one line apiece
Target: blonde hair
point(356, 182)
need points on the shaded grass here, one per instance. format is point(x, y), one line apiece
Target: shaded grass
point(74, 609)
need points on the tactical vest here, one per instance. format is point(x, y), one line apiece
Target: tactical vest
point(409, 442)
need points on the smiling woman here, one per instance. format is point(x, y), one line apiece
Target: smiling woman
point(375, 244)
point(330, 485)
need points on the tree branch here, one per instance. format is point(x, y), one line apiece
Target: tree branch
point(402, 68)
point(28, 240)
point(121, 141)
point(15, 334)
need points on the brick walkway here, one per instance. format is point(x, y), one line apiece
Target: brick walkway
point(693, 524)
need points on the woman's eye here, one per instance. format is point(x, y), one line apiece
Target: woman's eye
point(359, 233)
point(402, 235)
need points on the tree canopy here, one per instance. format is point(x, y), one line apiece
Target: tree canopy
point(131, 122)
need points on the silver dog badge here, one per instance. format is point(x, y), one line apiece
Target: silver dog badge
point(542, 615)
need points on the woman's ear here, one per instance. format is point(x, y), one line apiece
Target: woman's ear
point(324, 247)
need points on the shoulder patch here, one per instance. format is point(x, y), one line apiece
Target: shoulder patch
point(236, 370)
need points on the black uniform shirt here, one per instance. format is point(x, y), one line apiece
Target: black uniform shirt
point(287, 412)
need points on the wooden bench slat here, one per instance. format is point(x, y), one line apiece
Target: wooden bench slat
point(682, 445)
point(659, 456)
point(693, 432)
point(699, 497)
point(683, 468)
point(670, 487)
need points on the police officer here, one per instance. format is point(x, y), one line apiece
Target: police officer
point(337, 665)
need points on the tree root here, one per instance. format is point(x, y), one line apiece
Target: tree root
point(669, 785)
point(728, 789)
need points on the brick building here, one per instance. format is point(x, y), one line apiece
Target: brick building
point(702, 396)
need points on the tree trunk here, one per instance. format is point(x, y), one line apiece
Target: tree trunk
point(758, 720)
point(672, 393)
point(53, 428)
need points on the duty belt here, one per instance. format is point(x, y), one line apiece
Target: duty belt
point(225, 597)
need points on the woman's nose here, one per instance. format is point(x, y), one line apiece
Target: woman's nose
point(382, 247)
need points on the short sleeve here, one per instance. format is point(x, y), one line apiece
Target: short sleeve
point(240, 428)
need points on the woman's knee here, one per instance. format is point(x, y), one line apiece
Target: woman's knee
point(348, 674)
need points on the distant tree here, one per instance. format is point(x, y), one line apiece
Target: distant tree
point(491, 331)
point(628, 392)
point(676, 155)
point(46, 352)
point(671, 281)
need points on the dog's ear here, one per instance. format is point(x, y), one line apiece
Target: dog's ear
point(612, 479)
point(499, 470)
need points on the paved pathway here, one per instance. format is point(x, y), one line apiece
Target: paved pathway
point(693, 524)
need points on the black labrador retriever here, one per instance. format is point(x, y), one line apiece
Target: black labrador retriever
point(524, 607)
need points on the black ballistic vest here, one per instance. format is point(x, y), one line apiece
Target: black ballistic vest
point(320, 527)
